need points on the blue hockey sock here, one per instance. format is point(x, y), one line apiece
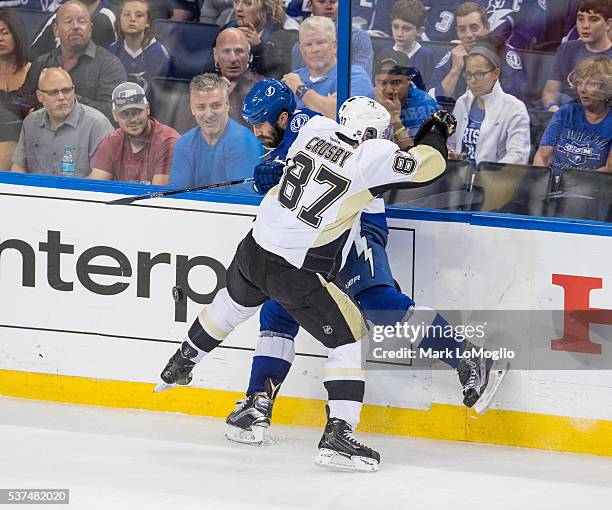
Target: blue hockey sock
point(266, 367)
point(439, 342)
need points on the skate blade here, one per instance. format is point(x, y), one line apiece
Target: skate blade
point(256, 436)
point(496, 377)
point(329, 459)
point(163, 387)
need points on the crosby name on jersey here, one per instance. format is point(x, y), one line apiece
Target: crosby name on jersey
point(319, 223)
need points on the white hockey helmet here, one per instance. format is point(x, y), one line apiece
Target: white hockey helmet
point(363, 118)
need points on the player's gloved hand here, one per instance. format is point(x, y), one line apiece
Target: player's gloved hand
point(267, 174)
point(442, 121)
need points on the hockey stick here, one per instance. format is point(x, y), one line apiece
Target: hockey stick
point(159, 194)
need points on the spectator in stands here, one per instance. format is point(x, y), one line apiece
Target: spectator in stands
point(262, 22)
point(218, 149)
point(580, 133)
point(62, 121)
point(102, 33)
point(593, 20)
point(141, 149)
point(14, 55)
point(215, 11)
point(175, 10)
point(232, 55)
point(34, 5)
point(315, 85)
point(94, 71)
point(10, 127)
point(485, 109)
point(372, 15)
point(522, 24)
point(409, 106)
point(142, 55)
point(407, 25)
point(472, 23)
point(361, 45)
point(440, 20)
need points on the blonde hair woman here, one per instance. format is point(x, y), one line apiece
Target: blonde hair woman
point(580, 133)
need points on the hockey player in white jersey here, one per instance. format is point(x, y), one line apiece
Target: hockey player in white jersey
point(303, 232)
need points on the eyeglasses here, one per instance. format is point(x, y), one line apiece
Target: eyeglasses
point(54, 92)
point(477, 75)
point(133, 99)
point(588, 84)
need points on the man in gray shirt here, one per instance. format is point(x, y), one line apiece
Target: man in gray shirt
point(62, 122)
point(95, 71)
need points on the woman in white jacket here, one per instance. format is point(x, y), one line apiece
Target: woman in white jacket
point(491, 125)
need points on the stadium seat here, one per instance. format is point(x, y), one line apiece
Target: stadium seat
point(33, 21)
point(538, 120)
point(190, 45)
point(583, 194)
point(515, 189)
point(449, 192)
point(169, 103)
point(536, 65)
point(380, 43)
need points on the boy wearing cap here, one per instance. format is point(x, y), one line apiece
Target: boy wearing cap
point(141, 149)
point(409, 106)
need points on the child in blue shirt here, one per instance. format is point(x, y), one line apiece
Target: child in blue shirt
point(407, 25)
point(140, 53)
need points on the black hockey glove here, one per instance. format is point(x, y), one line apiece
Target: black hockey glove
point(267, 174)
point(441, 121)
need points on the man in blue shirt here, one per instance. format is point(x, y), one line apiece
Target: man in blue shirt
point(218, 149)
point(409, 106)
point(315, 85)
point(362, 53)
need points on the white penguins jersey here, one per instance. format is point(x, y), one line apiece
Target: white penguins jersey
point(311, 217)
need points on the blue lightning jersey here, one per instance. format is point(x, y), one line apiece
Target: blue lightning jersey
point(296, 121)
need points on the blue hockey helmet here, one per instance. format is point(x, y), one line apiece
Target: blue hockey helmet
point(266, 100)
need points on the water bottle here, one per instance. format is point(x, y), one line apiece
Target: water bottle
point(67, 165)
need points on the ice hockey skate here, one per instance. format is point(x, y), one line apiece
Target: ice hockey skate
point(178, 369)
point(250, 421)
point(340, 451)
point(480, 378)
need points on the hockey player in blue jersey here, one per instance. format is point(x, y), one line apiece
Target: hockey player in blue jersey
point(366, 278)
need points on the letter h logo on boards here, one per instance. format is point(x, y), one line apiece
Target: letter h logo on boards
point(579, 314)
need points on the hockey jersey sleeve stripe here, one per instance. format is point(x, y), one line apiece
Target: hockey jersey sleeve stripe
point(345, 218)
point(430, 166)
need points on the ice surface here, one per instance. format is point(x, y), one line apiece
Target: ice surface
point(127, 459)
